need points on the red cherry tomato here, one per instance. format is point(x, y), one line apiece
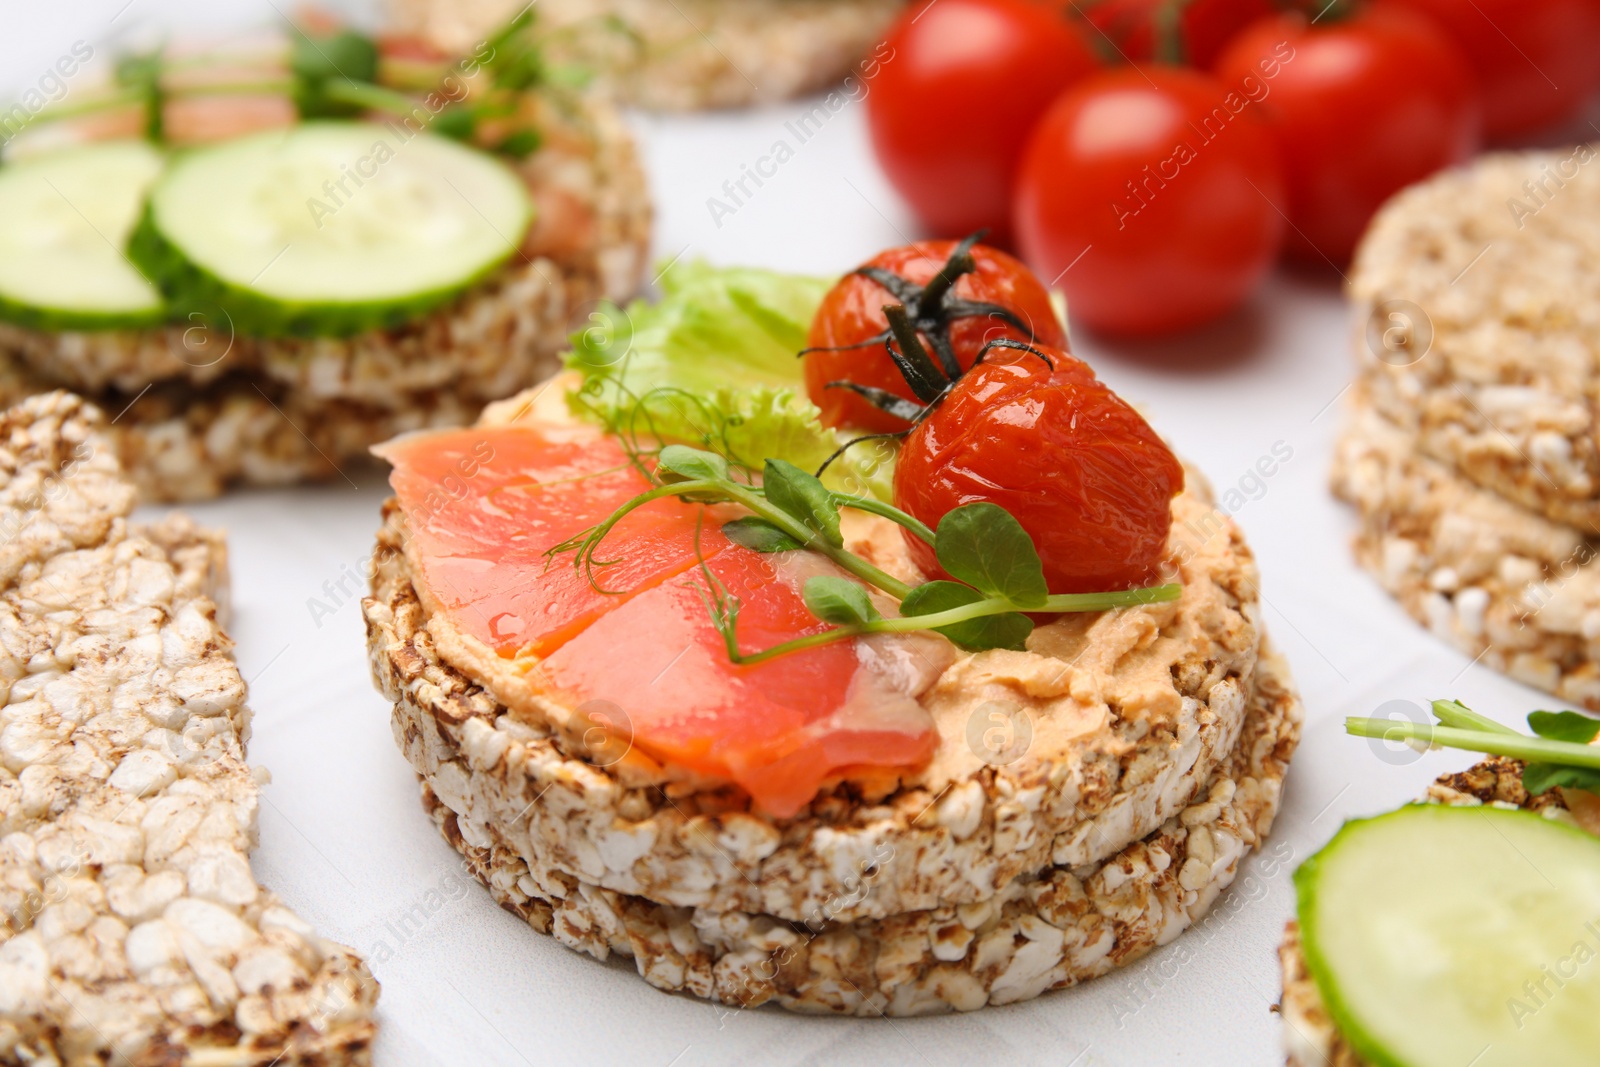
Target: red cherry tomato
point(1362, 106)
point(1537, 61)
point(1147, 195)
point(1082, 472)
point(1199, 28)
point(851, 316)
point(951, 108)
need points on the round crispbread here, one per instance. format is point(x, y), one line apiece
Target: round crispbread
point(1129, 712)
point(1478, 293)
point(223, 409)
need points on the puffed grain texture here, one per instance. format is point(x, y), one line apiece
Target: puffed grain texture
point(1049, 930)
point(132, 931)
point(1503, 260)
point(1501, 583)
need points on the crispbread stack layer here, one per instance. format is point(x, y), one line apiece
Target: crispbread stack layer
point(680, 55)
point(132, 928)
point(1471, 455)
point(1096, 852)
point(197, 408)
point(1502, 584)
point(1310, 1037)
point(1502, 260)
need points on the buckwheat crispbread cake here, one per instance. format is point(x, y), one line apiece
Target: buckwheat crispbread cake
point(680, 55)
point(131, 928)
point(1499, 263)
point(1157, 698)
point(1501, 583)
point(1310, 1038)
point(224, 408)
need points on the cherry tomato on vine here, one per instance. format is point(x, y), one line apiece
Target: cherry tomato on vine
point(1363, 105)
point(1537, 61)
point(1146, 194)
point(950, 111)
point(1192, 32)
point(851, 321)
point(1041, 436)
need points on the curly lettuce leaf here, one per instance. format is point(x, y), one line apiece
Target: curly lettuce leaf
point(715, 364)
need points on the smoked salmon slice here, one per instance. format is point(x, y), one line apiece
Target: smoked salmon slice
point(484, 505)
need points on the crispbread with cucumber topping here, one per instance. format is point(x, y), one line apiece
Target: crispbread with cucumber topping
point(372, 199)
point(1310, 1036)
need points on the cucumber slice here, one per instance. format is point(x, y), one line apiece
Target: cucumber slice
point(329, 228)
point(64, 219)
point(1447, 936)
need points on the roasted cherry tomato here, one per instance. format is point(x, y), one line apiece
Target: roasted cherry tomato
point(1192, 32)
point(848, 333)
point(1537, 61)
point(1363, 105)
point(1039, 435)
point(950, 112)
point(1147, 195)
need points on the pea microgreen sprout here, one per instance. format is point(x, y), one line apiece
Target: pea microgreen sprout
point(995, 573)
point(1559, 753)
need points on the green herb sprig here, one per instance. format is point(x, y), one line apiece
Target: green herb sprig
point(1558, 753)
point(997, 573)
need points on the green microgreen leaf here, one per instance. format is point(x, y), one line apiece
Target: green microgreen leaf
point(1564, 726)
point(344, 56)
point(521, 144)
point(1009, 630)
point(455, 122)
point(804, 497)
point(1540, 777)
point(986, 547)
point(759, 535)
point(839, 601)
point(680, 463)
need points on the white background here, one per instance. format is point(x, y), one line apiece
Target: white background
point(344, 840)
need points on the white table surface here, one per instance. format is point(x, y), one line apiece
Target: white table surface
point(344, 840)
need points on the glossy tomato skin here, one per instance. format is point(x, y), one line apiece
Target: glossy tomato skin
point(951, 109)
point(1204, 26)
point(1537, 61)
point(1362, 107)
point(852, 311)
point(1082, 472)
point(1149, 200)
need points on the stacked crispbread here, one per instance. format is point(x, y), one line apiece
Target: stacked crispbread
point(680, 55)
point(1159, 740)
point(131, 928)
point(195, 406)
point(1472, 448)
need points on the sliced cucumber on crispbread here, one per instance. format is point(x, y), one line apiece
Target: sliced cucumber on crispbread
point(1441, 936)
point(329, 228)
point(64, 218)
